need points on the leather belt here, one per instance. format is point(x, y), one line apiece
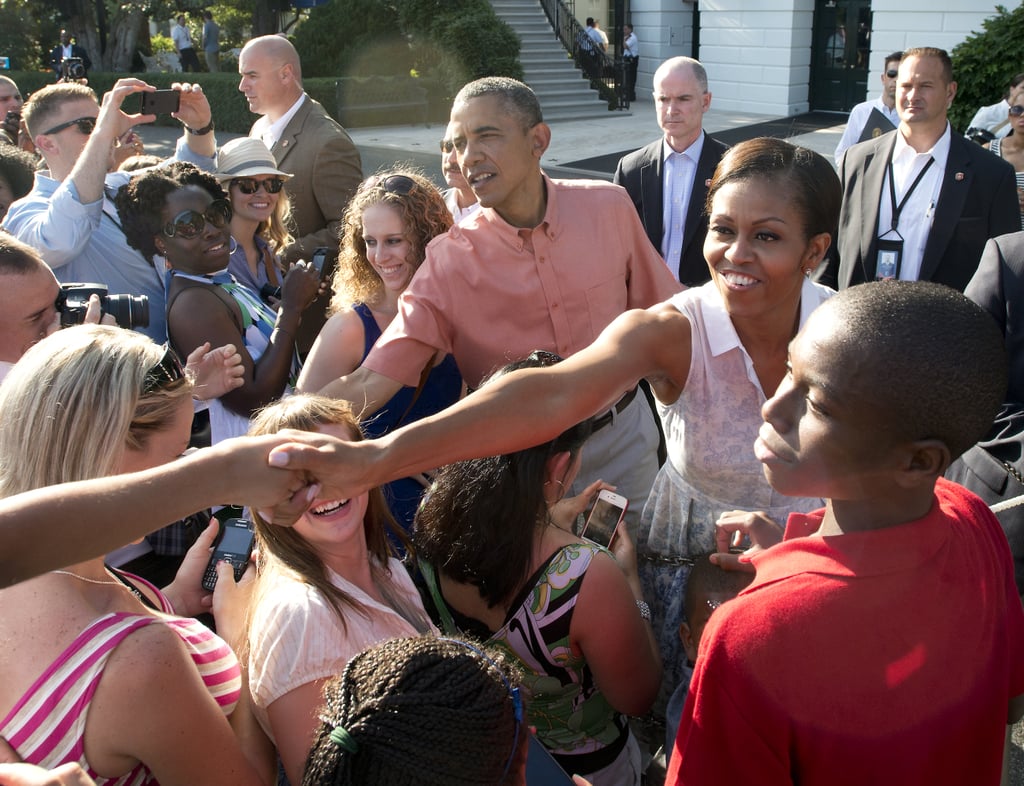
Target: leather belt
point(620, 405)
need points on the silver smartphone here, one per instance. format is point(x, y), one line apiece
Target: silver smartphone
point(604, 518)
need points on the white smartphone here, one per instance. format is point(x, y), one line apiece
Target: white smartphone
point(605, 517)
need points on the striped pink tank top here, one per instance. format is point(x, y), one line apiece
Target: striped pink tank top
point(47, 725)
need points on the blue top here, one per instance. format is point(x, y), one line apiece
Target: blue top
point(238, 266)
point(442, 389)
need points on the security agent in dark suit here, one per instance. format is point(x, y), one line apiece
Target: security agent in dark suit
point(66, 49)
point(994, 468)
point(681, 98)
point(948, 198)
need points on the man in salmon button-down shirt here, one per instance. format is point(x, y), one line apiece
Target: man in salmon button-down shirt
point(544, 264)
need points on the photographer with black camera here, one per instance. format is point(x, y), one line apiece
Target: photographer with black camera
point(10, 110)
point(69, 216)
point(29, 296)
point(69, 61)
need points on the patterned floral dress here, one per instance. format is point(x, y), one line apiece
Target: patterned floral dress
point(711, 468)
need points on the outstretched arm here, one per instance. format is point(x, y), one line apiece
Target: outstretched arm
point(514, 412)
point(60, 525)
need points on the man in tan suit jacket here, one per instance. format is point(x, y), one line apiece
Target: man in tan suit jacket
point(307, 143)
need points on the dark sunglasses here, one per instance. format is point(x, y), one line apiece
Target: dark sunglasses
point(392, 184)
point(163, 374)
point(892, 73)
point(250, 185)
point(543, 358)
point(189, 223)
point(1017, 110)
point(85, 125)
point(447, 145)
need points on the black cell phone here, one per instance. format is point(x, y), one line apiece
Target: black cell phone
point(160, 102)
point(542, 769)
point(234, 544)
point(320, 259)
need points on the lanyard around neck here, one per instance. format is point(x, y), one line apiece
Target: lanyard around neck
point(898, 208)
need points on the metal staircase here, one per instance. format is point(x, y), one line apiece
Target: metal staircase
point(563, 90)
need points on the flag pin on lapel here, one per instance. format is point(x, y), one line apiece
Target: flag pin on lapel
point(285, 144)
point(958, 176)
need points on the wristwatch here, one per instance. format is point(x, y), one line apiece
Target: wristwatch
point(201, 131)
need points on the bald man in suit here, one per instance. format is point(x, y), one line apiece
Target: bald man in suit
point(667, 180)
point(307, 143)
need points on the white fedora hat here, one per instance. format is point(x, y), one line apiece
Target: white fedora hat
point(246, 157)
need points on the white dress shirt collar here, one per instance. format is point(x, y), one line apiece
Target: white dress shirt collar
point(269, 132)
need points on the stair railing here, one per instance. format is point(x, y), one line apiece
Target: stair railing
point(605, 72)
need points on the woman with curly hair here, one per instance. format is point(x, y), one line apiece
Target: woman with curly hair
point(182, 214)
point(329, 587)
point(423, 711)
point(388, 224)
point(260, 211)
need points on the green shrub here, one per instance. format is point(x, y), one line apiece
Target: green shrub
point(19, 38)
point(984, 63)
point(456, 41)
point(352, 38)
point(445, 42)
point(161, 43)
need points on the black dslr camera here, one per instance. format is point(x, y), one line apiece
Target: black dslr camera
point(129, 311)
point(980, 135)
point(72, 69)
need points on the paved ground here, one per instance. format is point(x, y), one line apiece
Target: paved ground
point(571, 141)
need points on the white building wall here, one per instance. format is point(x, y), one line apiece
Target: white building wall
point(758, 52)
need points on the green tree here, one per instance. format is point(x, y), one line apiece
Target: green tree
point(352, 38)
point(19, 34)
point(984, 63)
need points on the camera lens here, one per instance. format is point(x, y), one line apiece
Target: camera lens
point(127, 310)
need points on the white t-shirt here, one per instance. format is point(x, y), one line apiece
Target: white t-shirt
point(181, 38)
point(296, 638)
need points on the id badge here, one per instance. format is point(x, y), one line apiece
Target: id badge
point(890, 254)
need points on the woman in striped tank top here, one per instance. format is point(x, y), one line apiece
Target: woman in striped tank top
point(95, 667)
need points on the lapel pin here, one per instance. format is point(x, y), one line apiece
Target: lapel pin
point(707, 183)
point(284, 143)
point(958, 176)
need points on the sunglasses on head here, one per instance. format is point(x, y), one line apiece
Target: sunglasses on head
point(164, 374)
point(392, 184)
point(250, 185)
point(189, 223)
point(892, 73)
point(85, 125)
point(1017, 110)
point(447, 146)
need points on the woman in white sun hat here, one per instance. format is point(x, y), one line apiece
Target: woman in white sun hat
point(260, 215)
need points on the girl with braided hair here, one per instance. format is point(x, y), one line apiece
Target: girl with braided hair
point(423, 711)
point(497, 566)
point(329, 587)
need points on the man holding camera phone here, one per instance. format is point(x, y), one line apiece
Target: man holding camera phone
point(69, 215)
